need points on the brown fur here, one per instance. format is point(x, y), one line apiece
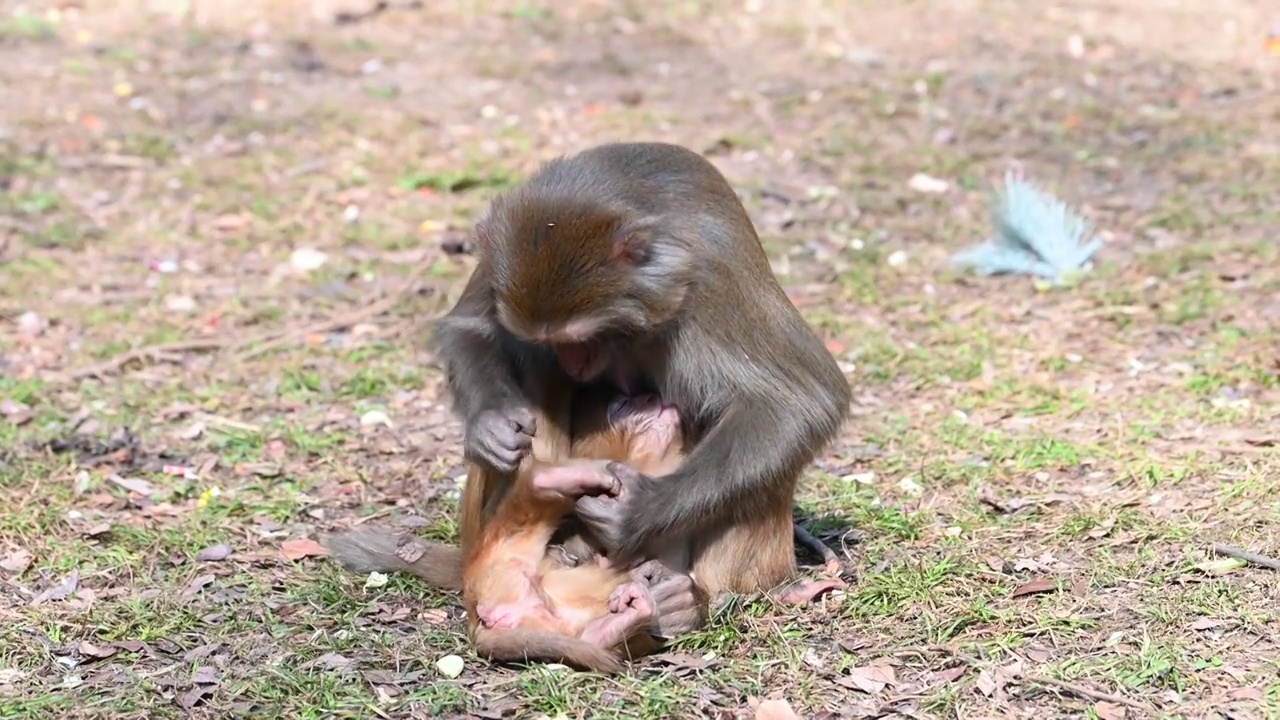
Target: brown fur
point(548, 611)
point(642, 253)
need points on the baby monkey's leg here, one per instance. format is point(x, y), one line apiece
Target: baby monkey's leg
point(572, 479)
point(631, 611)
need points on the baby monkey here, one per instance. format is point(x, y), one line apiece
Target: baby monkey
point(525, 603)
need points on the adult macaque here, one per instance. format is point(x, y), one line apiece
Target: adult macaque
point(635, 263)
point(523, 602)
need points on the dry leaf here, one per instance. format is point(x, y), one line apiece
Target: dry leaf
point(95, 530)
point(1103, 529)
point(131, 645)
point(134, 485)
point(1251, 694)
point(62, 591)
point(950, 674)
point(986, 683)
point(1220, 566)
point(1206, 624)
point(192, 697)
point(332, 661)
point(1038, 585)
point(89, 650)
point(1080, 588)
point(872, 678)
point(302, 548)
point(197, 585)
point(808, 591)
point(775, 710)
point(214, 554)
point(1108, 711)
point(1036, 654)
point(16, 561)
point(683, 660)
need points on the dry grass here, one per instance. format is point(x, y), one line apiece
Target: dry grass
point(1089, 443)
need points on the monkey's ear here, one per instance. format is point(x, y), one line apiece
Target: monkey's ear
point(632, 242)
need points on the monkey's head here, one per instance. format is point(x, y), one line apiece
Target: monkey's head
point(650, 428)
point(578, 276)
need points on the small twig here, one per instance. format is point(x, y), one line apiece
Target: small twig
point(1083, 691)
point(1063, 685)
point(263, 343)
point(227, 423)
point(149, 352)
point(373, 516)
point(409, 288)
point(1250, 557)
point(829, 557)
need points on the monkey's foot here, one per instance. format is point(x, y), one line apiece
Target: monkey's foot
point(803, 591)
point(631, 610)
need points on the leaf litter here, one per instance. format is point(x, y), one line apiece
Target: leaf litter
point(275, 378)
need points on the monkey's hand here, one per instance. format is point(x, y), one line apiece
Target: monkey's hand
point(499, 439)
point(573, 479)
point(605, 515)
point(679, 605)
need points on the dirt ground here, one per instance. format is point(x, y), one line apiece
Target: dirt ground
point(224, 233)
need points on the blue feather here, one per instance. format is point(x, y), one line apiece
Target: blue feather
point(1035, 235)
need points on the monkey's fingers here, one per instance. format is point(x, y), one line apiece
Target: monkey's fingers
point(680, 608)
point(525, 422)
point(624, 473)
point(602, 515)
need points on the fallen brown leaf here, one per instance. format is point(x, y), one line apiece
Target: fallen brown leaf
point(1039, 585)
point(683, 660)
point(302, 548)
point(1103, 529)
point(16, 561)
point(1249, 694)
point(61, 591)
point(192, 697)
point(986, 683)
point(197, 585)
point(872, 678)
point(950, 674)
point(89, 650)
point(1108, 711)
point(214, 553)
point(95, 530)
point(775, 710)
point(134, 485)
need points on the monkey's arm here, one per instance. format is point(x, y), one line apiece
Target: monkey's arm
point(479, 374)
point(739, 469)
point(482, 381)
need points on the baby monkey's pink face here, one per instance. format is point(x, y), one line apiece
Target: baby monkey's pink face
point(653, 424)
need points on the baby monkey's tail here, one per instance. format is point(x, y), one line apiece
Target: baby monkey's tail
point(366, 551)
point(519, 644)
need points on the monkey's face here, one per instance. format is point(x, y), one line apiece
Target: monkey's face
point(652, 425)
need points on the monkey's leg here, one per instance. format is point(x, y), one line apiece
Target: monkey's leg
point(631, 610)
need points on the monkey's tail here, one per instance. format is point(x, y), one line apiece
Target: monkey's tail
point(541, 646)
point(366, 551)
